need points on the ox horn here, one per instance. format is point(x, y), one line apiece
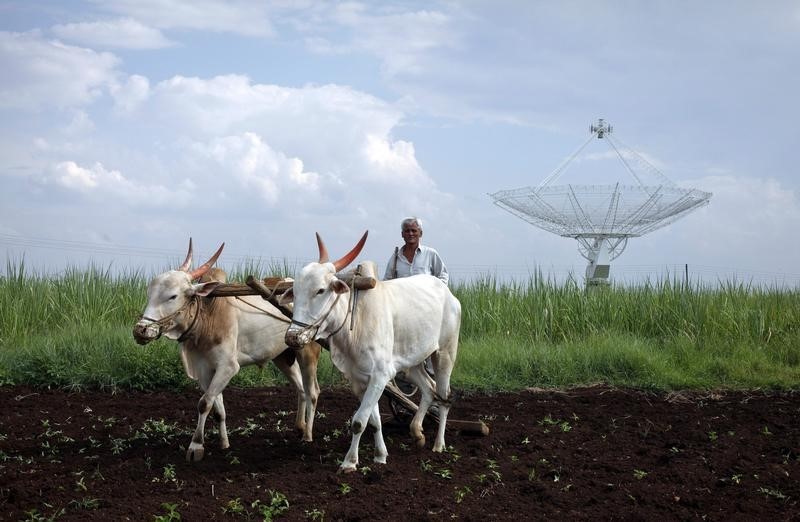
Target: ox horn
point(348, 258)
point(323, 252)
point(187, 263)
point(198, 272)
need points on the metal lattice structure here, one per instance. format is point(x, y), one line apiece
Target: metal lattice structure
point(603, 217)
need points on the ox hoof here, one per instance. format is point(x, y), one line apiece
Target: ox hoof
point(420, 442)
point(347, 469)
point(381, 459)
point(195, 453)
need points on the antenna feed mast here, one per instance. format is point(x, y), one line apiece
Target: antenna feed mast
point(601, 128)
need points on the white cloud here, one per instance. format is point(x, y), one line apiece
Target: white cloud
point(80, 124)
point(122, 33)
point(235, 16)
point(334, 130)
point(400, 39)
point(39, 73)
point(111, 187)
point(256, 166)
point(129, 95)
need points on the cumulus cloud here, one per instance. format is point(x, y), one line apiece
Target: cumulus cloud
point(130, 94)
point(334, 130)
point(101, 184)
point(256, 166)
point(122, 33)
point(235, 16)
point(39, 73)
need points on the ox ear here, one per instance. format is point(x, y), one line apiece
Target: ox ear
point(204, 289)
point(350, 256)
point(286, 297)
point(339, 286)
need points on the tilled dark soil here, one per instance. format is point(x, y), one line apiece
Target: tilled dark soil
point(584, 453)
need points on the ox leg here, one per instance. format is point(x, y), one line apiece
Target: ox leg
point(380, 446)
point(443, 368)
point(293, 373)
point(308, 359)
point(419, 376)
point(219, 415)
point(369, 406)
point(213, 389)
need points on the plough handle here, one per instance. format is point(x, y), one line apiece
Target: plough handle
point(471, 427)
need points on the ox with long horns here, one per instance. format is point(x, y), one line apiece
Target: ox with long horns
point(397, 325)
point(218, 336)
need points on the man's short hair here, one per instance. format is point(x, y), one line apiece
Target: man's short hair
point(410, 221)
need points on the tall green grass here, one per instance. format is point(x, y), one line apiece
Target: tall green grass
point(74, 330)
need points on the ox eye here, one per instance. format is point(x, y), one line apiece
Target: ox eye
point(320, 291)
point(172, 298)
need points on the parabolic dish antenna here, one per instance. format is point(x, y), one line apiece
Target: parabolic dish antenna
point(603, 217)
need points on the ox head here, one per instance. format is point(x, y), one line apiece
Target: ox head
point(315, 292)
point(169, 295)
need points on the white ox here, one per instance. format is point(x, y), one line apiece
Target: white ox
point(397, 325)
point(218, 336)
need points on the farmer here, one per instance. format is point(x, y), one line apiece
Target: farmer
point(414, 258)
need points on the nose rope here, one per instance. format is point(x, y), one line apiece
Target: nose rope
point(166, 320)
point(316, 324)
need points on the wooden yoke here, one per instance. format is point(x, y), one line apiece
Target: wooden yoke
point(362, 278)
point(277, 285)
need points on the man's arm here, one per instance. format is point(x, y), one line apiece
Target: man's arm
point(391, 267)
point(438, 268)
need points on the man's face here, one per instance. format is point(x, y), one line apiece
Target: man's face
point(411, 234)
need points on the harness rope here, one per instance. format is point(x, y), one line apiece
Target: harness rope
point(267, 312)
point(306, 326)
point(169, 320)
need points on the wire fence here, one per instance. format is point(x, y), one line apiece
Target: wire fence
point(131, 258)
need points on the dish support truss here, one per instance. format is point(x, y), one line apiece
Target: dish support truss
point(602, 217)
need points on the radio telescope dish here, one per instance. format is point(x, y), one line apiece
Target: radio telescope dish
point(603, 217)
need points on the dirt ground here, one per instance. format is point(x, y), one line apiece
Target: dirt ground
point(585, 453)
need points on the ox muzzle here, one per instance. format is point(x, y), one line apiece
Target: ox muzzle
point(299, 334)
point(146, 330)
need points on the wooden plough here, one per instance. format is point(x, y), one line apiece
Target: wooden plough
point(271, 287)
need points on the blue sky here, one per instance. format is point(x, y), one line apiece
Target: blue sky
point(127, 126)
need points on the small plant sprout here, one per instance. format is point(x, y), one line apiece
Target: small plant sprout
point(169, 473)
point(315, 514)
point(85, 503)
point(445, 473)
point(461, 493)
point(171, 513)
point(765, 431)
point(774, 493)
point(712, 436)
point(80, 484)
point(278, 504)
point(639, 474)
point(234, 507)
point(344, 488)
